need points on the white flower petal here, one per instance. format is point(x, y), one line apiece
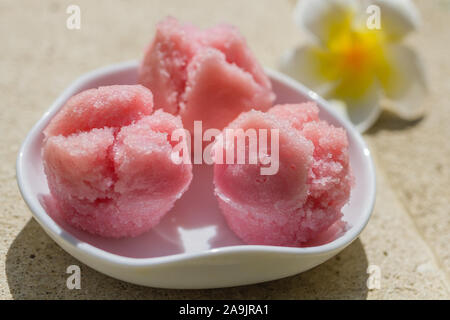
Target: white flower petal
point(398, 17)
point(323, 17)
point(406, 86)
point(303, 64)
point(340, 107)
point(363, 112)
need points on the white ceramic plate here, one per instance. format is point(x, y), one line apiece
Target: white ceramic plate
point(192, 247)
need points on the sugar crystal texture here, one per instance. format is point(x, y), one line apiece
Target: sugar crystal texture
point(305, 197)
point(107, 159)
point(209, 75)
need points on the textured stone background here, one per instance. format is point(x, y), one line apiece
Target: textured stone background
point(408, 236)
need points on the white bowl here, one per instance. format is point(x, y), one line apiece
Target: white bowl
point(192, 247)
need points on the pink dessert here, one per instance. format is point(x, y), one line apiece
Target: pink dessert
point(107, 161)
point(209, 75)
point(305, 197)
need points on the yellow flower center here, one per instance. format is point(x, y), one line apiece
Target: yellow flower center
point(357, 51)
point(354, 58)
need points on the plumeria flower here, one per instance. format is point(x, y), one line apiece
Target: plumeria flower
point(355, 63)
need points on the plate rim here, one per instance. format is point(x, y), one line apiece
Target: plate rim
point(54, 230)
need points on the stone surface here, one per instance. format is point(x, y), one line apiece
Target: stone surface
point(407, 238)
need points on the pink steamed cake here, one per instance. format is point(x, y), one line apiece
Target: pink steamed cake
point(305, 197)
point(107, 161)
point(209, 75)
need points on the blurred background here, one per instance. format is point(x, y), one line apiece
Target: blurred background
point(407, 239)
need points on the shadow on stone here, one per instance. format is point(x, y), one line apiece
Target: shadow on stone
point(391, 122)
point(36, 269)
